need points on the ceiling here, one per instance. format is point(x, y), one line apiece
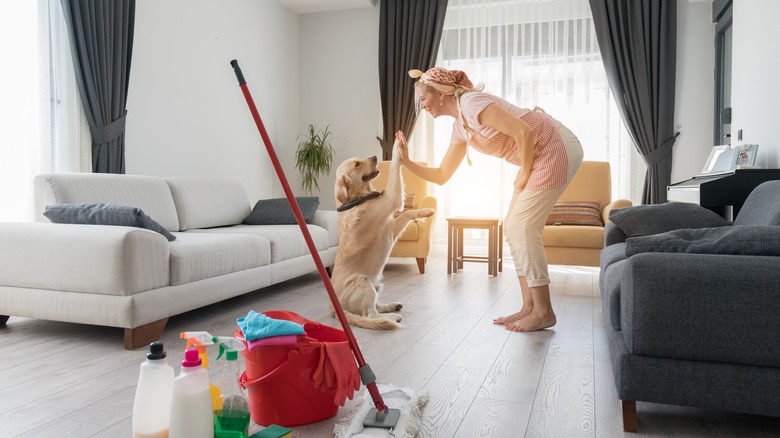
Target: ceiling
point(307, 6)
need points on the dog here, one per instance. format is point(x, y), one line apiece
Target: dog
point(368, 229)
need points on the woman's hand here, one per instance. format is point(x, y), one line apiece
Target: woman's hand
point(522, 180)
point(403, 148)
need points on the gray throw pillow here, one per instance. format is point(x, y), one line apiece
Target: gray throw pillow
point(278, 211)
point(104, 214)
point(757, 240)
point(644, 220)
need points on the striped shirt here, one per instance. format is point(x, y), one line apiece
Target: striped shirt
point(550, 163)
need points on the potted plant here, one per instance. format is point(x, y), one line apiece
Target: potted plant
point(313, 157)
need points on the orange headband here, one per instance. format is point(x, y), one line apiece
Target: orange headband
point(442, 79)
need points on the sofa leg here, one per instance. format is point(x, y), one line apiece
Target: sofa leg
point(3, 320)
point(144, 335)
point(629, 416)
point(421, 265)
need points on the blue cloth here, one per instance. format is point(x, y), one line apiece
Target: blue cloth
point(257, 326)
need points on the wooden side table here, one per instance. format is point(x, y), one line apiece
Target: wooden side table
point(455, 256)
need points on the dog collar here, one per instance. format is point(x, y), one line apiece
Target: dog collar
point(354, 203)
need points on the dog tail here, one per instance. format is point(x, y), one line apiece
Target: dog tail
point(371, 323)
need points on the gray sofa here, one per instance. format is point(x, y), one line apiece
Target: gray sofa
point(691, 305)
point(135, 278)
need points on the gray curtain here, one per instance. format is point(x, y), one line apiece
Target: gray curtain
point(101, 38)
point(638, 40)
point(409, 36)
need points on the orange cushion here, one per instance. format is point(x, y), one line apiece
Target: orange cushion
point(576, 213)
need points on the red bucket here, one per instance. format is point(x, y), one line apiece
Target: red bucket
point(290, 385)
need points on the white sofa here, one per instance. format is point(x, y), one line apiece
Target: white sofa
point(135, 278)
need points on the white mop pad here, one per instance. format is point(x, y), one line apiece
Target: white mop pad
point(408, 401)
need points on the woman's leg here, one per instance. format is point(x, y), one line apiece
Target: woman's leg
point(528, 304)
point(536, 283)
point(514, 248)
point(523, 227)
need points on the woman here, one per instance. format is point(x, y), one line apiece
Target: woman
point(547, 153)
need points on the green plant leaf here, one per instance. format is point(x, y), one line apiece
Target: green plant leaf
point(314, 157)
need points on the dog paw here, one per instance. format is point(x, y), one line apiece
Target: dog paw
point(396, 306)
point(393, 317)
point(425, 212)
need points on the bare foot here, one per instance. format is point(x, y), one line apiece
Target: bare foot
point(513, 317)
point(532, 323)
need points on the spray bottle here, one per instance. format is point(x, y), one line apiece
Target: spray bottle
point(231, 415)
point(199, 341)
point(152, 405)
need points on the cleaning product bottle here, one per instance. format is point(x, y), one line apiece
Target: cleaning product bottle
point(199, 341)
point(152, 405)
point(231, 417)
point(191, 409)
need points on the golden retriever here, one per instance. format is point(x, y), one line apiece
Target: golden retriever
point(367, 232)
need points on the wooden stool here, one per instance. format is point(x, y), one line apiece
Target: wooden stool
point(455, 256)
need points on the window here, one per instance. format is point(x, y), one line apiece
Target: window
point(723, 31)
point(530, 53)
point(43, 124)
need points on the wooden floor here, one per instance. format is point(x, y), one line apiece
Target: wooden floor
point(71, 380)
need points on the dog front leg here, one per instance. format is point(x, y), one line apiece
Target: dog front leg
point(400, 223)
point(395, 186)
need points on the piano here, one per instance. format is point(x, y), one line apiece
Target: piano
point(723, 193)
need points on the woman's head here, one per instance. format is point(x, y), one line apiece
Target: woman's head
point(442, 87)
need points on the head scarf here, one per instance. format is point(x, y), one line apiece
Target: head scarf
point(442, 79)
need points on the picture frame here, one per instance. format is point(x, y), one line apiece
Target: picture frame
point(744, 155)
point(720, 160)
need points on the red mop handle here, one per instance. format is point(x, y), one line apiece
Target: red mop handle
point(372, 389)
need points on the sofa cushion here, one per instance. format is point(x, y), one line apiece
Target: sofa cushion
point(197, 256)
point(762, 206)
point(151, 194)
point(576, 213)
point(573, 236)
point(104, 214)
point(278, 211)
point(737, 240)
point(644, 220)
point(286, 241)
point(208, 202)
point(329, 220)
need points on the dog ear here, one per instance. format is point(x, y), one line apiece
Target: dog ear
point(341, 190)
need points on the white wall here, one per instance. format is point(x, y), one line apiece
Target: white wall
point(755, 90)
point(694, 88)
point(755, 87)
point(339, 85)
point(187, 115)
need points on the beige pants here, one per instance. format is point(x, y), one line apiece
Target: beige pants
point(527, 214)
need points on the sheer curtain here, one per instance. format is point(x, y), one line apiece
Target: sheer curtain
point(42, 124)
point(531, 53)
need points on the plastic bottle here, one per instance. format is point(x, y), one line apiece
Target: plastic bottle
point(191, 409)
point(152, 405)
point(231, 415)
point(199, 341)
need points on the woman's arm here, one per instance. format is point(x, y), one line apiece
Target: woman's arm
point(493, 116)
point(438, 175)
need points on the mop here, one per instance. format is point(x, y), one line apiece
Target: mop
point(404, 410)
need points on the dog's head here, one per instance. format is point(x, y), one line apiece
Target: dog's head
point(353, 178)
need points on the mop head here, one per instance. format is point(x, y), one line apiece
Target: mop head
point(408, 401)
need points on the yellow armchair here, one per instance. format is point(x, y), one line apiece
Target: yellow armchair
point(417, 238)
point(582, 244)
